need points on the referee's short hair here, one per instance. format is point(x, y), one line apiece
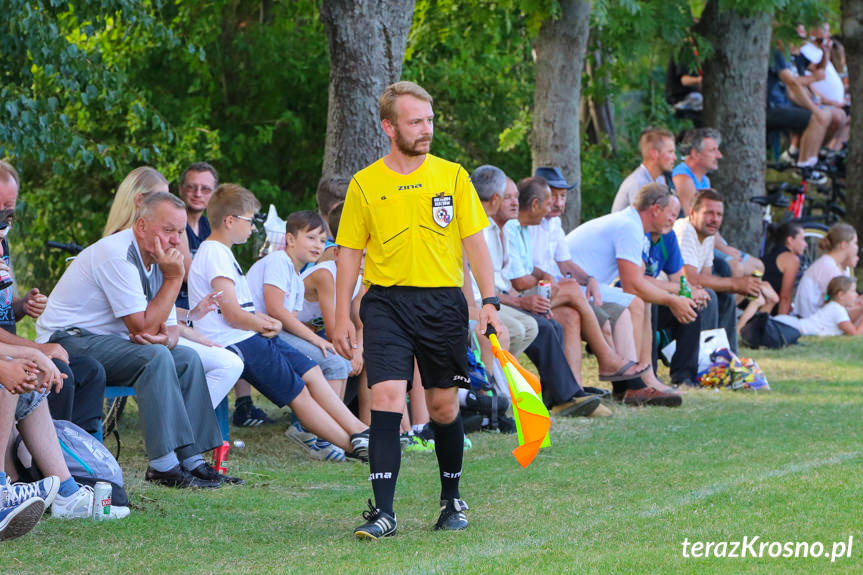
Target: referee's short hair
point(653, 194)
point(387, 101)
point(489, 181)
point(230, 200)
point(529, 189)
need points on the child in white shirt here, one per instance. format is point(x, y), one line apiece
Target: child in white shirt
point(277, 370)
point(278, 290)
point(832, 318)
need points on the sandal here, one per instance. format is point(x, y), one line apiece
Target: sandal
point(621, 375)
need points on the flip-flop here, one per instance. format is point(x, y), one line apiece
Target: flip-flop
point(621, 375)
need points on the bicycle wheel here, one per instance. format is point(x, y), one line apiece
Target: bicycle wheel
point(813, 232)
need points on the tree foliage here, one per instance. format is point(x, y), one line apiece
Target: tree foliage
point(92, 88)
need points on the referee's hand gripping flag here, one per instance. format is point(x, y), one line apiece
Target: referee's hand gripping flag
point(531, 416)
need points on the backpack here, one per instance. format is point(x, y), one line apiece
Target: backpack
point(87, 459)
point(764, 331)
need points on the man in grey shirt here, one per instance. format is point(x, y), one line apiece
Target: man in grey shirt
point(657, 158)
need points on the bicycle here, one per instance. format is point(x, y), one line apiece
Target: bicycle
point(813, 230)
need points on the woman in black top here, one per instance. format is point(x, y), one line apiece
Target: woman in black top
point(782, 263)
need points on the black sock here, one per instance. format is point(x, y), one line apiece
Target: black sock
point(244, 402)
point(449, 448)
point(385, 457)
point(621, 387)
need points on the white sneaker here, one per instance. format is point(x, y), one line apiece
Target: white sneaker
point(77, 505)
point(17, 493)
point(118, 512)
point(317, 448)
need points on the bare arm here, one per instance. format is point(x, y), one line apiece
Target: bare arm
point(483, 272)
point(239, 318)
point(747, 285)
point(796, 91)
point(634, 281)
point(274, 299)
point(159, 308)
point(685, 191)
point(789, 267)
point(345, 334)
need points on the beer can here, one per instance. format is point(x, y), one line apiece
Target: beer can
point(102, 500)
point(220, 457)
point(543, 288)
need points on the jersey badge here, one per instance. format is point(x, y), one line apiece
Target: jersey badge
point(442, 210)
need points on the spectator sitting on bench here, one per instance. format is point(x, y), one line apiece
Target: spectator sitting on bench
point(540, 337)
point(695, 236)
point(274, 368)
point(80, 399)
point(28, 379)
point(115, 303)
point(613, 246)
point(221, 367)
point(700, 148)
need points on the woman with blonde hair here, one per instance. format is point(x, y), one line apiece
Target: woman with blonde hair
point(140, 182)
point(839, 249)
point(222, 367)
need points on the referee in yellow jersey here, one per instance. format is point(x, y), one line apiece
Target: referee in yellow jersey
point(412, 212)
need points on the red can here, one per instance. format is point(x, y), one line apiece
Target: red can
point(220, 457)
point(543, 288)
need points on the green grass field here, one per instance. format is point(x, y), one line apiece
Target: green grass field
point(611, 496)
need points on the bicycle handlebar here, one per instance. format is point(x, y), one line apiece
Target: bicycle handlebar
point(71, 248)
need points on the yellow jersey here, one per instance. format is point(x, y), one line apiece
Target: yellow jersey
point(411, 225)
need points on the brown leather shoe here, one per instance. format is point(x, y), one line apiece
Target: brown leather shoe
point(601, 411)
point(650, 396)
point(581, 406)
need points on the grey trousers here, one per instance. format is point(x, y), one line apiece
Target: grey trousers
point(171, 390)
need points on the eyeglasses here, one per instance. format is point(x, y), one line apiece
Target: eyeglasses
point(198, 188)
point(246, 219)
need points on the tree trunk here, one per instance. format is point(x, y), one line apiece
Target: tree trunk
point(734, 87)
point(367, 41)
point(555, 139)
point(852, 37)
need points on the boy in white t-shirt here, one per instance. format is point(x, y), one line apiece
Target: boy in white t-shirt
point(277, 370)
point(278, 290)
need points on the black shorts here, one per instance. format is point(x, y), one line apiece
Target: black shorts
point(431, 324)
point(792, 118)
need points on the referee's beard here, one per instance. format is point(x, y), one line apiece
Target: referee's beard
point(418, 147)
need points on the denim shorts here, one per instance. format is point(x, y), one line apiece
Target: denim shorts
point(27, 402)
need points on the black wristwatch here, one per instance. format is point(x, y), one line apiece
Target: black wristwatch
point(493, 300)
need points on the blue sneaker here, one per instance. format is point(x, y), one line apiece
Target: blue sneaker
point(17, 493)
point(16, 520)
